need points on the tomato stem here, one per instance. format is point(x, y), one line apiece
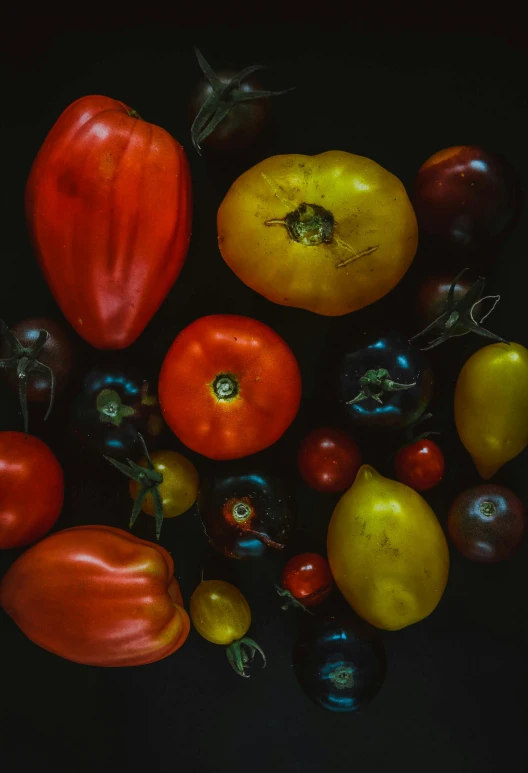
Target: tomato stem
point(309, 224)
point(290, 600)
point(374, 382)
point(24, 359)
point(241, 654)
point(458, 318)
point(225, 386)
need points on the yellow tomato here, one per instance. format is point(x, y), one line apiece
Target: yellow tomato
point(491, 405)
point(387, 551)
point(220, 612)
point(179, 488)
point(329, 233)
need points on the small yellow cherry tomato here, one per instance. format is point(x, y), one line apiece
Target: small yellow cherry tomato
point(179, 488)
point(221, 614)
point(491, 405)
point(330, 233)
point(387, 551)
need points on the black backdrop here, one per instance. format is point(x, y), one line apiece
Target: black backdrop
point(454, 697)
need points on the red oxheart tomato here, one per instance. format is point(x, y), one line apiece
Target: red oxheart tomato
point(420, 465)
point(99, 596)
point(108, 207)
point(328, 460)
point(229, 386)
point(307, 577)
point(31, 489)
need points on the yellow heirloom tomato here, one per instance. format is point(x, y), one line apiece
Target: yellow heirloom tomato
point(387, 551)
point(329, 233)
point(491, 405)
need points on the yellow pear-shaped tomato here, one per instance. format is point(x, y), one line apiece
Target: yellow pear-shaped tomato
point(491, 405)
point(329, 233)
point(387, 551)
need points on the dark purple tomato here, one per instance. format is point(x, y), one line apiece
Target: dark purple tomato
point(467, 196)
point(246, 514)
point(487, 523)
point(339, 662)
point(244, 122)
point(328, 460)
point(432, 296)
point(31, 351)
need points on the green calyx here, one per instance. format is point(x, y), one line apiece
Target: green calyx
point(457, 318)
point(374, 383)
point(24, 360)
point(223, 98)
point(342, 677)
point(241, 654)
point(290, 600)
point(149, 480)
point(309, 224)
point(111, 409)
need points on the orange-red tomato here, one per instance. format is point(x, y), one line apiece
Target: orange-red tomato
point(420, 465)
point(229, 386)
point(307, 577)
point(99, 596)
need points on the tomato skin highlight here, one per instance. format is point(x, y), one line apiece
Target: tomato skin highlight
point(31, 489)
point(229, 386)
point(420, 465)
point(328, 460)
point(97, 595)
point(308, 578)
point(108, 208)
point(487, 523)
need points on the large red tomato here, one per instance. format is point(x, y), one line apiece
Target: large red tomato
point(99, 596)
point(31, 489)
point(229, 386)
point(108, 206)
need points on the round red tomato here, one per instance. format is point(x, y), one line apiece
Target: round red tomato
point(307, 578)
point(31, 489)
point(420, 465)
point(328, 460)
point(229, 386)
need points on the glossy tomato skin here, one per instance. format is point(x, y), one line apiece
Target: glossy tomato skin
point(246, 514)
point(220, 612)
point(179, 489)
point(244, 123)
point(468, 196)
point(99, 596)
point(57, 354)
point(339, 662)
point(229, 386)
point(308, 578)
point(330, 233)
point(387, 552)
point(405, 364)
point(31, 489)
point(112, 408)
point(108, 207)
point(328, 460)
point(487, 523)
point(491, 405)
point(420, 465)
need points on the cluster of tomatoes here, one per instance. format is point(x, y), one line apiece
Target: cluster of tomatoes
point(331, 234)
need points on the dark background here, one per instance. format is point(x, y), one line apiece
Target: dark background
point(454, 696)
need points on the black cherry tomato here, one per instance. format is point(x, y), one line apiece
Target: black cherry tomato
point(420, 465)
point(487, 523)
point(328, 460)
point(467, 196)
point(307, 579)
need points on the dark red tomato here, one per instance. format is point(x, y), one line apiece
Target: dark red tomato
point(487, 523)
point(328, 460)
point(467, 196)
point(420, 465)
point(432, 296)
point(31, 489)
point(307, 579)
point(229, 109)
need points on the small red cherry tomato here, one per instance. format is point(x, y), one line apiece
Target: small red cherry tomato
point(420, 465)
point(307, 578)
point(328, 460)
point(487, 523)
